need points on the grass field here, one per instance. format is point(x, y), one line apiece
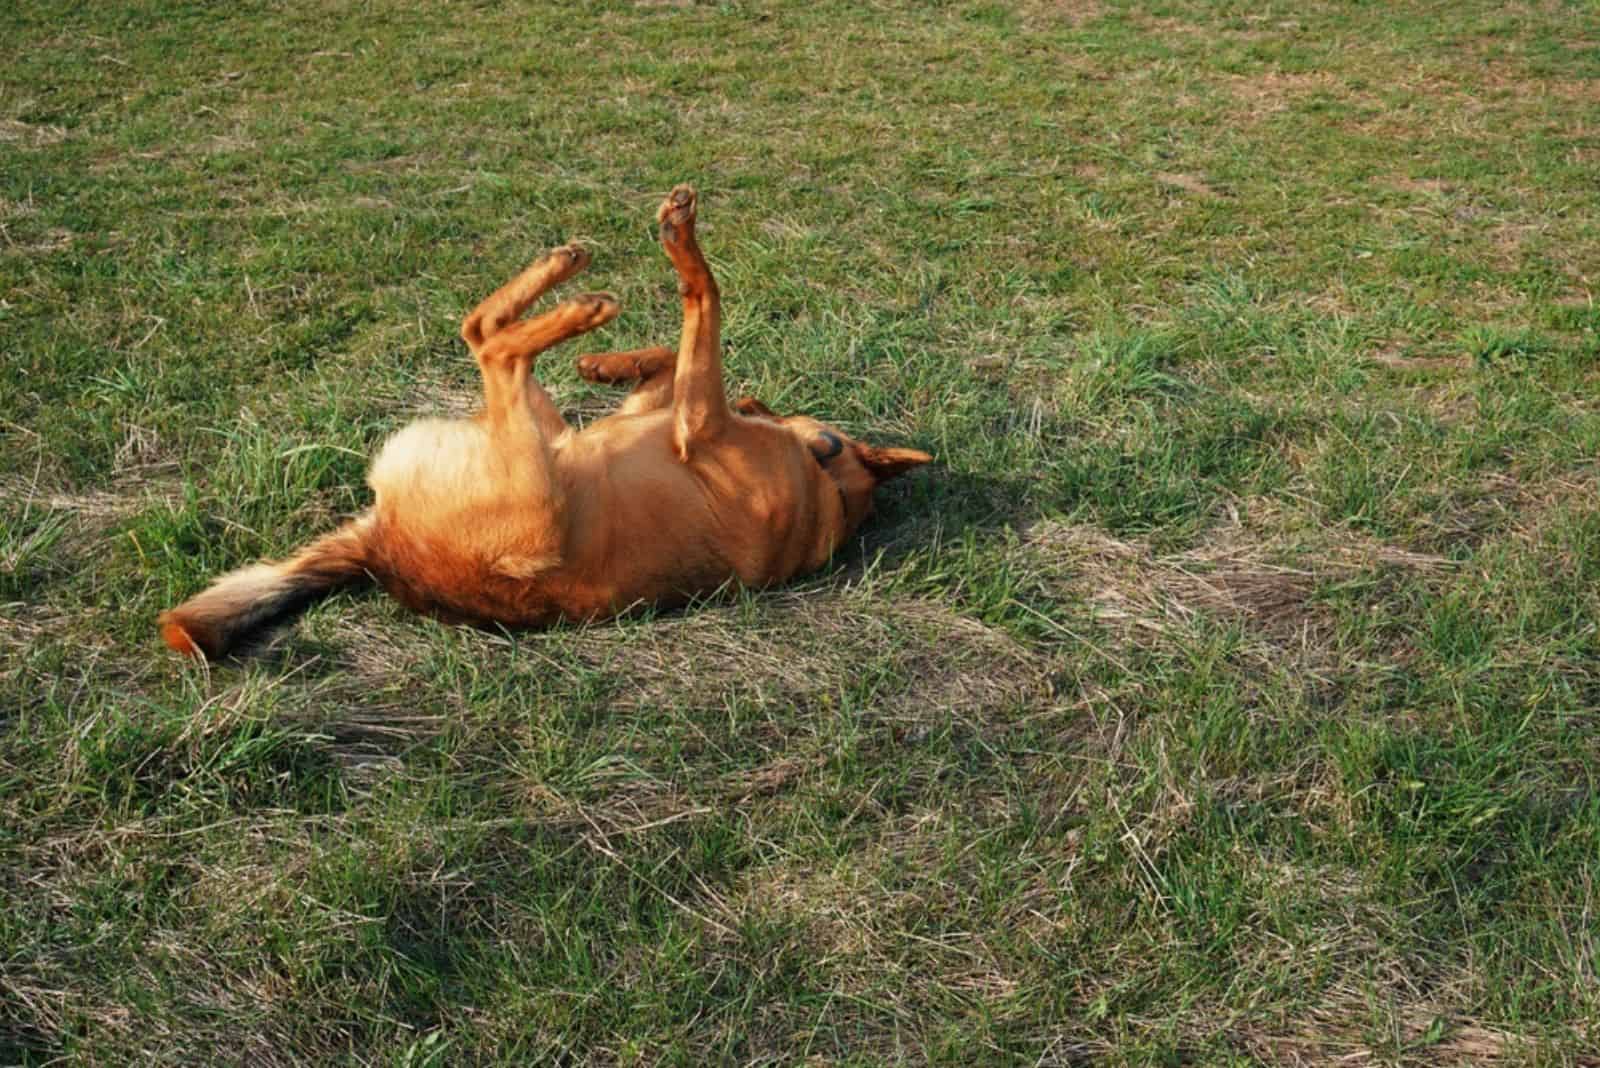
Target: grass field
point(1229, 693)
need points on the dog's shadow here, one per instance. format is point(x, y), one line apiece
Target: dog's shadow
point(936, 507)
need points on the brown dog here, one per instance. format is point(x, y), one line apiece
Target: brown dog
point(514, 518)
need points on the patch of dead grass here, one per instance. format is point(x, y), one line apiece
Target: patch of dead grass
point(1269, 92)
point(24, 625)
point(922, 665)
point(84, 517)
point(1569, 90)
point(1236, 574)
point(1342, 1030)
point(67, 530)
point(1038, 15)
point(1168, 25)
point(1392, 354)
point(1406, 184)
point(797, 644)
point(857, 912)
point(1508, 238)
point(865, 918)
point(94, 505)
point(1537, 507)
point(16, 209)
point(44, 244)
point(27, 135)
point(1189, 183)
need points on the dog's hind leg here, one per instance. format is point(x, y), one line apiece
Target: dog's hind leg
point(651, 368)
point(505, 305)
point(700, 408)
point(521, 419)
point(509, 301)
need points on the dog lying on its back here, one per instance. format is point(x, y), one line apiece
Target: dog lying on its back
point(513, 517)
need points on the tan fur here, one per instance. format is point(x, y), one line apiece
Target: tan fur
point(514, 518)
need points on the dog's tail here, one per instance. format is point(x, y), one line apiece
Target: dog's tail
point(245, 603)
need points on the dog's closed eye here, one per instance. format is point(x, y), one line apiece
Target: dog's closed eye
point(826, 447)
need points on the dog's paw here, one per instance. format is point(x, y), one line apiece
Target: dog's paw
point(568, 259)
point(613, 368)
point(592, 309)
point(677, 212)
point(606, 368)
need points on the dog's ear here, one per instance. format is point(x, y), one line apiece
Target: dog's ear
point(751, 406)
point(890, 463)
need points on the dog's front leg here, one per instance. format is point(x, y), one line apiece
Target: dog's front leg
point(651, 368)
point(700, 408)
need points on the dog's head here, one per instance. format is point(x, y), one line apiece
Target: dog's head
point(854, 466)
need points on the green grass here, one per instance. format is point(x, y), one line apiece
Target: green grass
point(1226, 695)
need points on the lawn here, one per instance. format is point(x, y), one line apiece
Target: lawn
point(1227, 693)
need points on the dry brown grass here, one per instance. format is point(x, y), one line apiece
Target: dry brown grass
point(1189, 183)
point(1057, 14)
point(24, 135)
point(793, 646)
point(1392, 354)
point(1236, 574)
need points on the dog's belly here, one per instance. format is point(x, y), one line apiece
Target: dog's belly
point(432, 466)
point(628, 524)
